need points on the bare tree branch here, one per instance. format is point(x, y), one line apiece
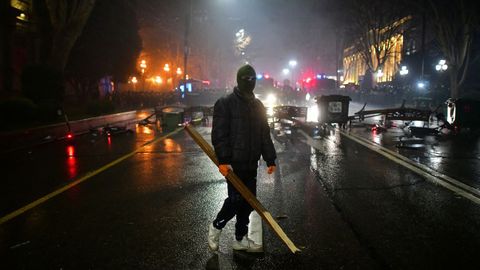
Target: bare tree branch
point(375, 27)
point(455, 23)
point(68, 19)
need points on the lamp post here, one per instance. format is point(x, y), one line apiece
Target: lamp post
point(143, 67)
point(179, 74)
point(134, 81)
point(166, 68)
point(441, 66)
point(285, 71)
point(186, 45)
point(293, 64)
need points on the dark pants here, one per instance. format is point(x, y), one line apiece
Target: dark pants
point(236, 205)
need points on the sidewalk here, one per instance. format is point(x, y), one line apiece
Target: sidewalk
point(18, 139)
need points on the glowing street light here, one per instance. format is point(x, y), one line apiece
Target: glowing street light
point(285, 71)
point(166, 68)
point(240, 33)
point(421, 84)
point(179, 71)
point(403, 71)
point(134, 81)
point(442, 65)
point(143, 66)
point(379, 73)
point(158, 79)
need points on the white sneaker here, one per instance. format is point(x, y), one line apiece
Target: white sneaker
point(247, 245)
point(213, 237)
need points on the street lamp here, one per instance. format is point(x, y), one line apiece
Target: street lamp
point(285, 71)
point(293, 64)
point(403, 71)
point(177, 80)
point(379, 73)
point(166, 68)
point(143, 67)
point(134, 81)
point(422, 85)
point(441, 66)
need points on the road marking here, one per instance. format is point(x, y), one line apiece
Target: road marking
point(82, 179)
point(429, 174)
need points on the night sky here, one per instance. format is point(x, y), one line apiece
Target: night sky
point(280, 30)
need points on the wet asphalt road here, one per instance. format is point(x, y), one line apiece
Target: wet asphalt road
point(345, 206)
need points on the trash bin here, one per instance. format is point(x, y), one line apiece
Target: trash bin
point(463, 113)
point(333, 109)
point(172, 118)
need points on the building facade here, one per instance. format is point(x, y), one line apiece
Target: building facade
point(391, 50)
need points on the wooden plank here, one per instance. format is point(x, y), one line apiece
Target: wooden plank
point(243, 190)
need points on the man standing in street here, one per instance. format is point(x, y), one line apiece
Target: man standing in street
point(240, 135)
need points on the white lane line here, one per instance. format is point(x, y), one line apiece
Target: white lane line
point(429, 174)
point(423, 167)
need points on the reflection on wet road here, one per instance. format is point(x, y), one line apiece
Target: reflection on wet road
point(344, 205)
point(457, 156)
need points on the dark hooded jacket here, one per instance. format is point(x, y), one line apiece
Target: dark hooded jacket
point(240, 133)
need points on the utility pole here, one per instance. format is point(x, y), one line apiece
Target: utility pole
point(424, 22)
point(186, 48)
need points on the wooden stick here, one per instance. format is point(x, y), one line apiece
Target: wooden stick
point(243, 190)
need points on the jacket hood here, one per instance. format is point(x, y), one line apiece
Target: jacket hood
point(246, 78)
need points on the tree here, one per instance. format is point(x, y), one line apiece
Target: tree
point(374, 28)
point(109, 46)
point(67, 18)
point(455, 23)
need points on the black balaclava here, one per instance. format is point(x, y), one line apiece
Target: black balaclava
point(246, 78)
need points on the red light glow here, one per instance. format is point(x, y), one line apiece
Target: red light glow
point(70, 151)
point(71, 162)
point(69, 135)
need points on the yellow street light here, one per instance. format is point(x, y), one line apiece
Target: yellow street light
point(166, 68)
point(143, 65)
point(179, 71)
